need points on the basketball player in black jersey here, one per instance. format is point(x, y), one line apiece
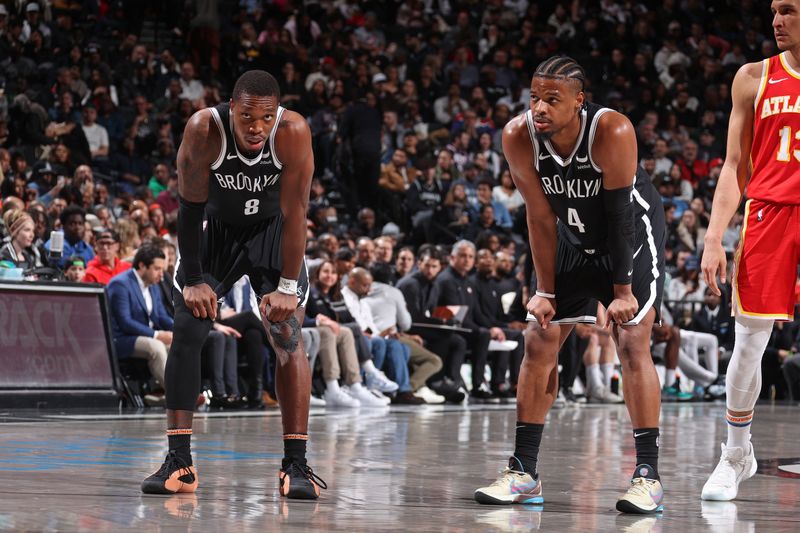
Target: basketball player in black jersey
point(597, 233)
point(246, 166)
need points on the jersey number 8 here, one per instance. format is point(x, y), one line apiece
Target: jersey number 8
point(251, 206)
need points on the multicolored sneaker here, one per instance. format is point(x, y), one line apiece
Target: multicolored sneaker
point(299, 482)
point(513, 486)
point(645, 495)
point(674, 394)
point(174, 476)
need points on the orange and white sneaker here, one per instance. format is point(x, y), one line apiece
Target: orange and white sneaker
point(299, 482)
point(174, 476)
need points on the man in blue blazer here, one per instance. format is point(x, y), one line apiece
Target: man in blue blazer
point(140, 324)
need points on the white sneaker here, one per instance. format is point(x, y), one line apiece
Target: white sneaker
point(429, 396)
point(339, 398)
point(316, 402)
point(378, 381)
point(603, 395)
point(381, 396)
point(365, 397)
point(733, 468)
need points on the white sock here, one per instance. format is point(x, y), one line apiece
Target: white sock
point(739, 431)
point(608, 373)
point(332, 385)
point(743, 380)
point(356, 386)
point(669, 378)
point(369, 367)
point(594, 380)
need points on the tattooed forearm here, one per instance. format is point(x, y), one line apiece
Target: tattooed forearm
point(286, 335)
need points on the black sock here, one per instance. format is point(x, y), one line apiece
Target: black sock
point(526, 448)
point(294, 448)
point(647, 450)
point(180, 442)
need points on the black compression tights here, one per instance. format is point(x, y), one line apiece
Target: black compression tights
point(182, 374)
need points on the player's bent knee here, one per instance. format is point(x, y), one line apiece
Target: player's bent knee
point(286, 335)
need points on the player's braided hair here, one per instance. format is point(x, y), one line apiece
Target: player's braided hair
point(256, 83)
point(561, 68)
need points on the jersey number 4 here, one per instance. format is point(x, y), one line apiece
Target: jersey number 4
point(784, 154)
point(251, 206)
point(574, 220)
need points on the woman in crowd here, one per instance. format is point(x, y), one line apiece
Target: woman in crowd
point(19, 249)
point(506, 193)
point(339, 336)
point(689, 233)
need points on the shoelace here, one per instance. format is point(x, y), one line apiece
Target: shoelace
point(734, 464)
point(305, 471)
point(502, 481)
point(173, 463)
point(640, 487)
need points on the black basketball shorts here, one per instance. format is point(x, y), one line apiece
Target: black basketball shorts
point(583, 277)
point(230, 252)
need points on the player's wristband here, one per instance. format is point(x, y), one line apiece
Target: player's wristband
point(287, 286)
point(548, 295)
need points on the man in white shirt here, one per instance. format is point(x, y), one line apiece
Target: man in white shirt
point(391, 316)
point(96, 135)
point(192, 88)
point(388, 353)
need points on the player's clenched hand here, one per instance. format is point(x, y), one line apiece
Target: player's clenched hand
point(543, 309)
point(714, 261)
point(201, 301)
point(622, 309)
point(278, 306)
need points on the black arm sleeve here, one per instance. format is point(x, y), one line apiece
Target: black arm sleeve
point(621, 233)
point(190, 235)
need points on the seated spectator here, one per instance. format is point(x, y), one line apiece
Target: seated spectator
point(388, 353)
point(76, 269)
point(389, 310)
point(688, 286)
point(714, 318)
point(19, 249)
point(95, 133)
point(326, 299)
point(345, 262)
point(454, 287)
point(506, 193)
point(488, 313)
point(239, 312)
point(366, 223)
point(420, 295)
point(690, 234)
point(423, 198)
point(140, 324)
point(404, 263)
point(509, 288)
point(168, 199)
point(337, 350)
point(73, 220)
point(485, 221)
point(394, 174)
point(106, 264)
point(483, 196)
point(365, 252)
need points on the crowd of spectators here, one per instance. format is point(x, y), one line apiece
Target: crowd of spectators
point(406, 100)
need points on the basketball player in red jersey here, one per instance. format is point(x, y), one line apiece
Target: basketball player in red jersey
point(763, 155)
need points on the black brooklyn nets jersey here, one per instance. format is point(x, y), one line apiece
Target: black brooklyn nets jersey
point(574, 186)
point(243, 191)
